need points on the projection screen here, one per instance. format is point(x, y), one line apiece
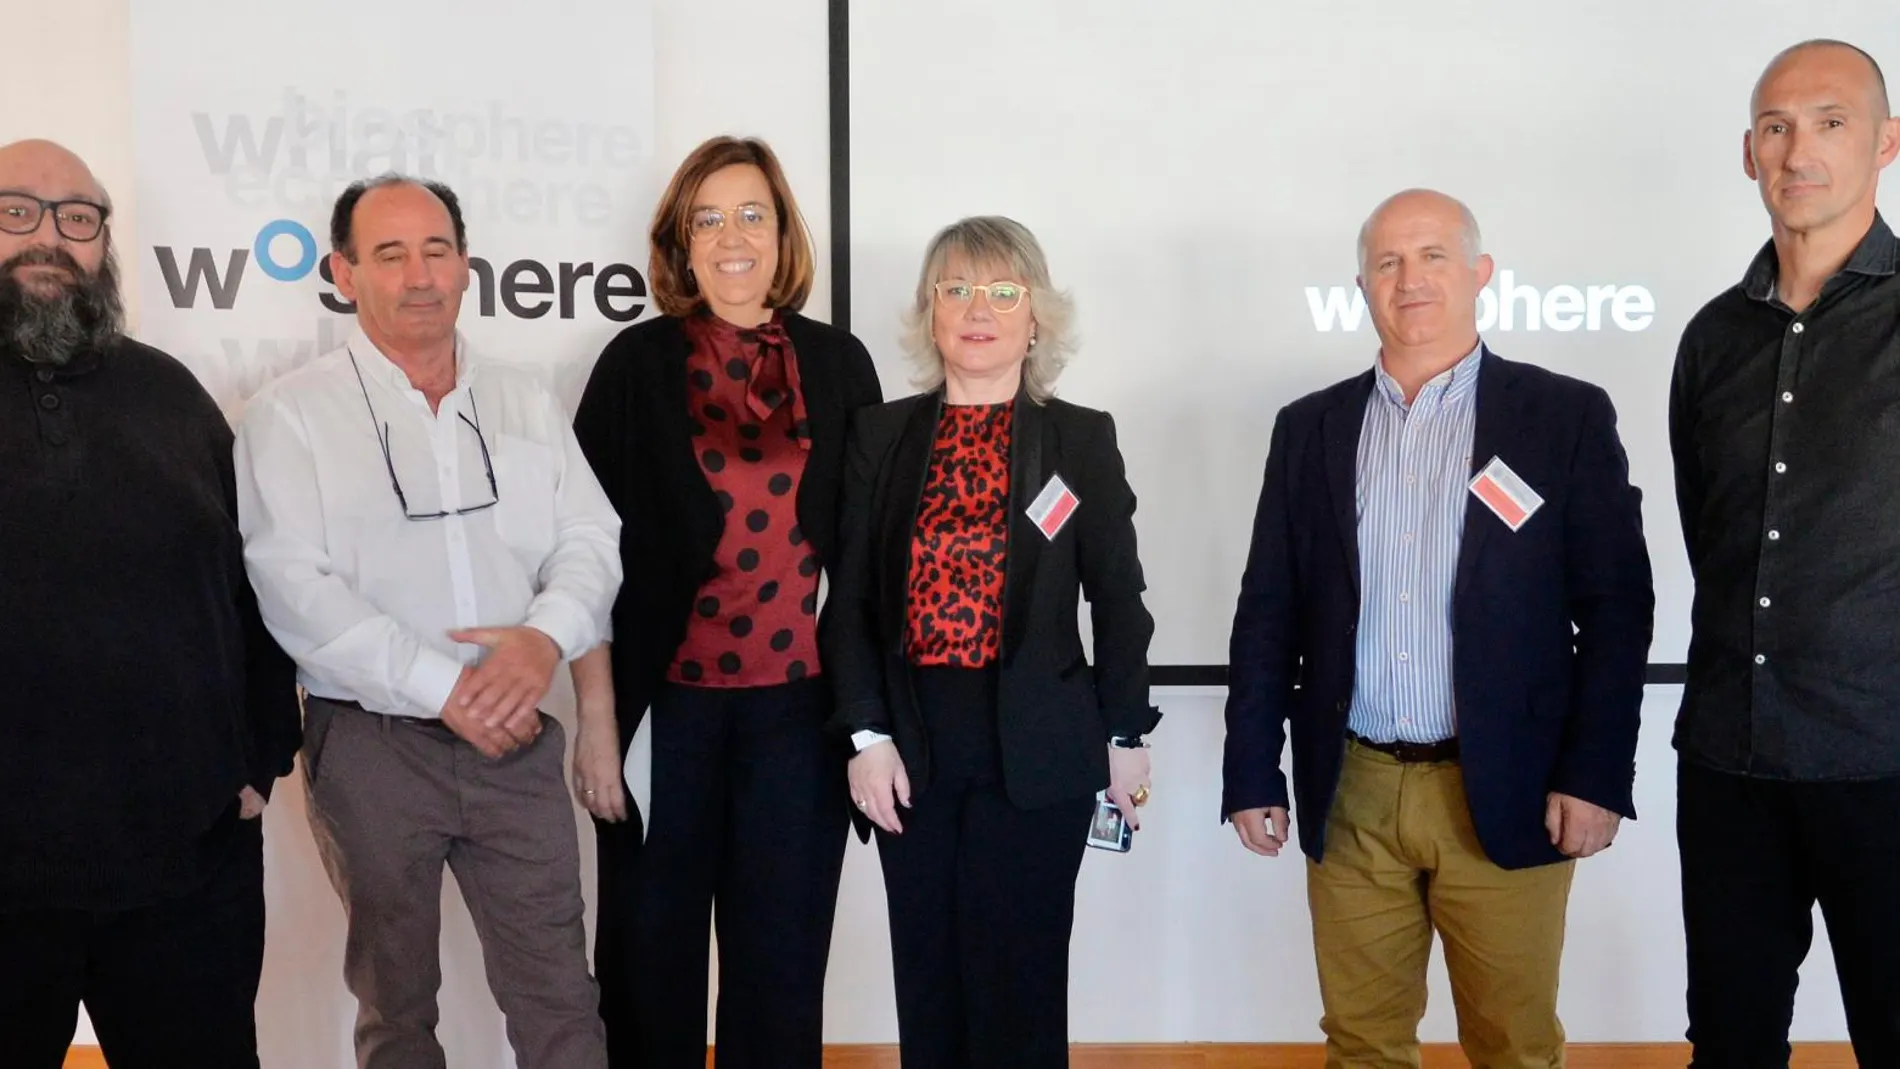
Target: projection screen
point(1198, 171)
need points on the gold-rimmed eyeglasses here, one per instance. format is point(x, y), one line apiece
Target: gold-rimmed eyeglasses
point(706, 223)
point(1004, 297)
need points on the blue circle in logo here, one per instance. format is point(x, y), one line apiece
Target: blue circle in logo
point(276, 229)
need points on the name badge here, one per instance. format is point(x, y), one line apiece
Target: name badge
point(1052, 508)
point(1509, 498)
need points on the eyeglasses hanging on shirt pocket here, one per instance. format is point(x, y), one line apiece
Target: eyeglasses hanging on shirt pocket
point(382, 439)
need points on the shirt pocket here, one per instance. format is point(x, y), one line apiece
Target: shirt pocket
point(524, 492)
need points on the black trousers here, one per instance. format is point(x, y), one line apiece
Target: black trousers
point(981, 897)
point(168, 985)
point(750, 812)
point(617, 857)
point(1756, 857)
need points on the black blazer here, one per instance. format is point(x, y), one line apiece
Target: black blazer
point(636, 431)
point(1553, 621)
point(1055, 714)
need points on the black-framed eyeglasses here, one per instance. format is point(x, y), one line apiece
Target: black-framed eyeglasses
point(389, 462)
point(75, 220)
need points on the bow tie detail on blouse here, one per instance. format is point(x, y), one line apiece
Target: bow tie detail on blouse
point(771, 370)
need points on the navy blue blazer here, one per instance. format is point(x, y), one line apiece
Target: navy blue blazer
point(1553, 621)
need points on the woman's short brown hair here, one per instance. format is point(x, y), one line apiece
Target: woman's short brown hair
point(669, 264)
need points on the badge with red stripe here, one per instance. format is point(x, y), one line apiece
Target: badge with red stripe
point(1053, 507)
point(1508, 497)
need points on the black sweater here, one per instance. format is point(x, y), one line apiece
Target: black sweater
point(635, 427)
point(139, 691)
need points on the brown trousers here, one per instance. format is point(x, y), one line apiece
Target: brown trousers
point(1403, 860)
point(392, 801)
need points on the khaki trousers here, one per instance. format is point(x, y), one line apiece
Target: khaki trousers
point(1402, 860)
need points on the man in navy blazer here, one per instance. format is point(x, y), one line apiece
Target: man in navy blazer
point(1448, 598)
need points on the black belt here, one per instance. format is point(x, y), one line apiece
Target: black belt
point(1411, 753)
point(419, 721)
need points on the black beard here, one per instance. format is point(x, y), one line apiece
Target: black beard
point(87, 315)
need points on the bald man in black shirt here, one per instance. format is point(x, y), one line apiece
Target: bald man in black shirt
point(1785, 423)
point(145, 710)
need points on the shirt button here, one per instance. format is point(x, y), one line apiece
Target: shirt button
point(49, 401)
point(1780, 468)
point(45, 374)
point(1765, 603)
point(1759, 659)
point(1408, 537)
point(1798, 328)
point(1405, 597)
point(1405, 656)
point(1774, 536)
point(1786, 397)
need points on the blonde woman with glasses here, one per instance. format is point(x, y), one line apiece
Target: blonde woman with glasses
point(975, 515)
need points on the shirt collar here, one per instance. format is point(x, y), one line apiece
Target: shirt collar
point(86, 360)
point(1878, 254)
point(377, 367)
point(1458, 380)
point(725, 332)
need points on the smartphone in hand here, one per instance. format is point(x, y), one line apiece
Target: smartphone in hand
point(1109, 830)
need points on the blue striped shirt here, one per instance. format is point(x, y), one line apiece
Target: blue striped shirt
point(1414, 467)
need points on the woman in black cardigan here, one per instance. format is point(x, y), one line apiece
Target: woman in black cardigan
point(974, 516)
point(718, 432)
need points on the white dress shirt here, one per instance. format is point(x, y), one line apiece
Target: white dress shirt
point(364, 597)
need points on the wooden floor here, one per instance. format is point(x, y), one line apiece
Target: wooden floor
point(1313, 1056)
point(1271, 1056)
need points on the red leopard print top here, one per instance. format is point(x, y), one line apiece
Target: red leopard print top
point(957, 550)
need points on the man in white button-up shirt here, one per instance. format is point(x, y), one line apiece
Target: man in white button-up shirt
point(428, 543)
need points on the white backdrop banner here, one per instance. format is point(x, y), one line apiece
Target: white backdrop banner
point(249, 118)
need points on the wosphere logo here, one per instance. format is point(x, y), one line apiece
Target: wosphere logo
point(286, 251)
point(1505, 305)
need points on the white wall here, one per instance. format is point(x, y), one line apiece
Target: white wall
point(71, 86)
point(1230, 215)
point(1187, 938)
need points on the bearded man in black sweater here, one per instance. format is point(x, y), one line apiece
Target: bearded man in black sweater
point(146, 711)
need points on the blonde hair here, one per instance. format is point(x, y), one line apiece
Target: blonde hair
point(993, 240)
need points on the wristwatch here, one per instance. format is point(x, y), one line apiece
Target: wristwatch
point(1128, 742)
